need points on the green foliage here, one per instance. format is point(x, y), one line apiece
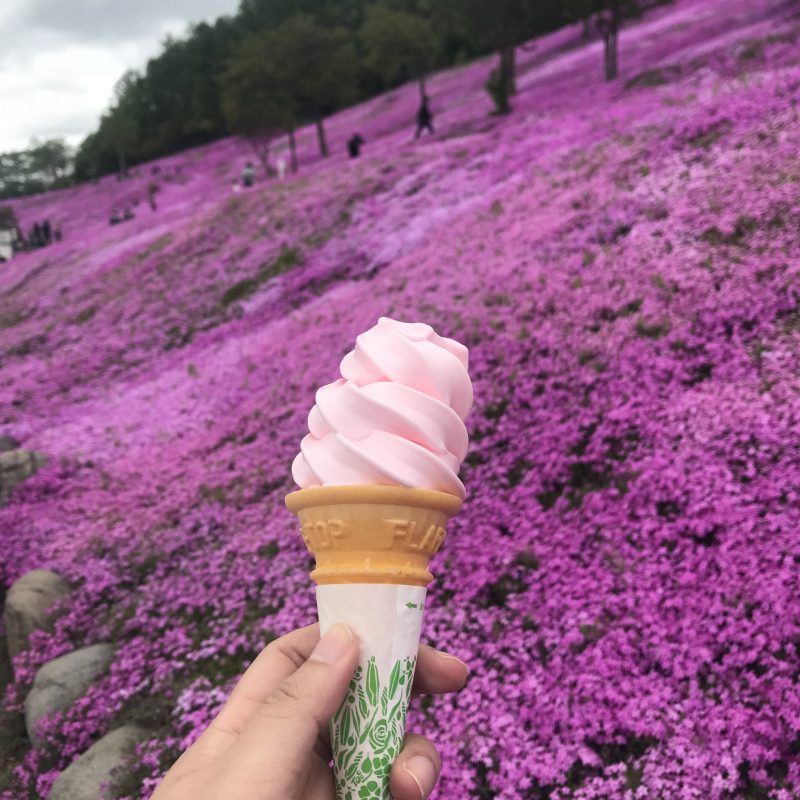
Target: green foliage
point(13, 741)
point(276, 64)
point(315, 56)
point(119, 127)
point(288, 258)
point(652, 329)
point(50, 158)
point(608, 16)
point(320, 66)
point(660, 76)
point(255, 93)
point(298, 72)
point(501, 25)
point(173, 104)
point(44, 165)
point(399, 46)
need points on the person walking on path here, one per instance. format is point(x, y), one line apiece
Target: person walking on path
point(424, 117)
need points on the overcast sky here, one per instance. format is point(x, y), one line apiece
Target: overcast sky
point(59, 59)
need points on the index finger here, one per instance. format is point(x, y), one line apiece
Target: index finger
point(276, 662)
point(438, 672)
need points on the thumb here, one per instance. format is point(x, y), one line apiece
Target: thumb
point(274, 748)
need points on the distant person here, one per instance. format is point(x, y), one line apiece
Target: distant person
point(152, 190)
point(47, 232)
point(248, 175)
point(280, 166)
point(115, 217)
point(354, 145)
point(57, 233)
point(128, 214)
point(36, 237)
point(424, 117)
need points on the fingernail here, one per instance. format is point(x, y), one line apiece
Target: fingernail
point(422, 770)
point(333, 645)
point(448, 657)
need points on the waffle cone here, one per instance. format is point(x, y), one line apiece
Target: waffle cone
point(372, 534)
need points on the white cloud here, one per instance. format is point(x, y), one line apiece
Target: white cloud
point(59, 59)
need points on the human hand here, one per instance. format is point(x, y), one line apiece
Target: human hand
point(270, 741)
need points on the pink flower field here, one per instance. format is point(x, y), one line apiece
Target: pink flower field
point(623, 261)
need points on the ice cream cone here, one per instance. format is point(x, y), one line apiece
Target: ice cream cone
point(372, 546)
point(372, 534)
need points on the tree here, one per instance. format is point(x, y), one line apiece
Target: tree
point(320, 66)
point(176, 102)
point(255, 15)
point(93, 158)
point(50, 158)
point(44, 165)
point(501, 25)
point(119, 125)
point(255, 98)
point(400, 46)
point(608, 16)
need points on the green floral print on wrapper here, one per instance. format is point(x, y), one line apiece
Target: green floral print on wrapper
point(367, 730)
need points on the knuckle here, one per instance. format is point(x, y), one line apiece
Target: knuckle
point(288, 693)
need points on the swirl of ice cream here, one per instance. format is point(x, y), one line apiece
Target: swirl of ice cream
point(395, 417)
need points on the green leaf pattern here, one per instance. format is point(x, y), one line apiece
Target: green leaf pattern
point(367, 730)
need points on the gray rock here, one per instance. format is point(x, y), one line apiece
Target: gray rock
point(8, 443)
point(27, 602)
point(16, 466)
point(60, 682)
point(82, 779)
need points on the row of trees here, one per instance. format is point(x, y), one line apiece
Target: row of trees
point(43, 165)
point(277, 64)
point(302, 72)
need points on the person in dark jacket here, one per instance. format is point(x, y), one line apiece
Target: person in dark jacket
point(424, 117)
point(248, 176)
point(354, 145)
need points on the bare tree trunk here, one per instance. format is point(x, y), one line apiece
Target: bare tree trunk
point(611, 36)
point(261, 149)
point(612, 64)
point(497, 86)
point(508, 63)
point(323, 142)
point(292, 151)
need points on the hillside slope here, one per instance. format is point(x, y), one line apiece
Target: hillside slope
point(622, 261)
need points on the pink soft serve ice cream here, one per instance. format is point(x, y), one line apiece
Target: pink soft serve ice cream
point(395, 417)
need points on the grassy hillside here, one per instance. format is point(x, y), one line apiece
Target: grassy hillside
point(622, 260)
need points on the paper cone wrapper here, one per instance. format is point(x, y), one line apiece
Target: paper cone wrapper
point(372, 545)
